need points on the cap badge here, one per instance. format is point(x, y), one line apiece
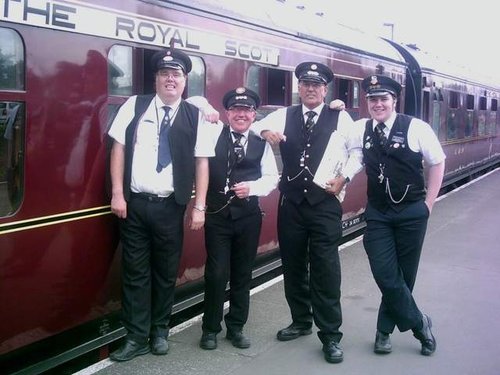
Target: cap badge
point(240, 90)
point(314, 67)
point(241, 97)
point(311, 73)
point(374, 80)
point(167, 58)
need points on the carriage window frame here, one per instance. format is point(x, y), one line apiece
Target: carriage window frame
point(453, 99)
point(12, 60)
point(120, 70)
point(12, 121)
point(197, 77)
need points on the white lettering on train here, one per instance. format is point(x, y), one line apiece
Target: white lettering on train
point(247, 51)
point(88, 19)
point(52, 13)
point(157, 33)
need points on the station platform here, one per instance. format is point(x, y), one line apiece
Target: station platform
point(458, 285)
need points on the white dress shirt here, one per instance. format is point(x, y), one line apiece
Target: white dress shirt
point(421, 138)
point(145, 178)
point(269, 179)
point(343, 154)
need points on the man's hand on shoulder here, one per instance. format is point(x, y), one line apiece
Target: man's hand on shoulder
point(337, 105)
point(273, 137)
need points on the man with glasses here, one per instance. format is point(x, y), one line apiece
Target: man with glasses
point(243, 169)
point(310, 212)
point(158, 142)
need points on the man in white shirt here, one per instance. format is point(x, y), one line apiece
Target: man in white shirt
point(243, 169)
point(310, 213)
point(399, 203)
point(158, 140)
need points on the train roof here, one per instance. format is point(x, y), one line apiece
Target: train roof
point(434, 64)
point(283, 18)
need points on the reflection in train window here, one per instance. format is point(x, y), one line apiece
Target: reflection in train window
point(11, 156)
point(120, 71)
point(437, 99)
point(11, 60)
point(295, 92)
point(469, 121)
point(493, 116)
point(481, 121)
point(196, 78)
point(355, 95)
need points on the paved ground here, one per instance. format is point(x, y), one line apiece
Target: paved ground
point(458, 286)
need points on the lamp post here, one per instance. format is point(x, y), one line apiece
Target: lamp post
point(391, 25)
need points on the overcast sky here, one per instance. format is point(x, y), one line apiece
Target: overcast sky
point(464, 32)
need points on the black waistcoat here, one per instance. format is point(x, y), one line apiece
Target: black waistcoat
point(247, 169)
point(182, 140)
point(296, 182)
point(402, 168)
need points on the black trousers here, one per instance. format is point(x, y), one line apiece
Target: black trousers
point(309, 237)
point(151, 236)
point(393, 242)
point(231, 248)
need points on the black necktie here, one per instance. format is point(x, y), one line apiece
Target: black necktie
point(310, 122)
point(164, 157)
point(381, 134)
point(239, 150)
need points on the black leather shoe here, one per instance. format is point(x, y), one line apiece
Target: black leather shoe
point(382, 343)
point(426, 337)
point(208, 341)
point(292, 332)
point(333, 352)
point(238, 339)
point(129, 350)
point(159, 345)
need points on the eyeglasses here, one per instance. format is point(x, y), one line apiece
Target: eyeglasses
point(241, 109)
point(313, 85)
point(167, 73)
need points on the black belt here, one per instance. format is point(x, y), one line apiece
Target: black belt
point(151, 197)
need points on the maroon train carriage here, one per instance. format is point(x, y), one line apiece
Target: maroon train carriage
point(66, 66)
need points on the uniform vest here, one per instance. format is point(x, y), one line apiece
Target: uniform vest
point(182, 140)
point(224, 166)
point(296, 180)
point(402, 169)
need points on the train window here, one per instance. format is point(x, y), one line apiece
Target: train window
point(454, 102)
point(470, 102)
point(481, 121)
point(436, 116)
point(343, 92)
point(482, 103)
point(493, 116)
point(196, 78)
point(253, 78)
point(11, 156)
point(295, 92)
point(355, 94)
point(469, 121)
point(11, 60)
point(120, 70)
point(330, 94)
point(425, 106)
point(270, 84)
